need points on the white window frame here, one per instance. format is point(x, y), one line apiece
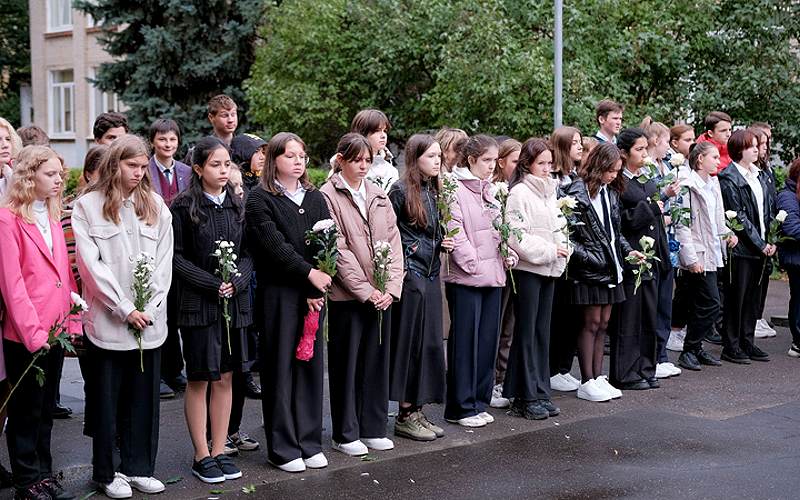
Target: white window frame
point(60, 126)
point(56, 9)
point(94, 94)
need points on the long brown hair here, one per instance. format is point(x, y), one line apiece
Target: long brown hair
point(413, 177)
point(110, 183)
point(602, 158)
point(276, 147)
point(561, 142)
point(531, 150)
point(22, 187)
point(506, 148)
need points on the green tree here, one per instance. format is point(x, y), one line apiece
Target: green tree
point(486, 65)
point(15, 56)
point(171, 56)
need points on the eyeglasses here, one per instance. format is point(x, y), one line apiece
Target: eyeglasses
point(291, 157)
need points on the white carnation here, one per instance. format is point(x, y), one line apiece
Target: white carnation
point(500, 187)
point(323, 225)
point(78, 301)
point(568, 202)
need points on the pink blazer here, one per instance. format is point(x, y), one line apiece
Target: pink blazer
point(35, 284)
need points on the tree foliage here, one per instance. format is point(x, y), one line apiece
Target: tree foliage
point(486, 65)
point(171, 56)
point(15, 56)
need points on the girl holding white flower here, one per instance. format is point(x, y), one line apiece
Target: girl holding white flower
point(358, 347)
point(119, 219)
point(35, 283)
point(473, 285)
point(208, 219)
point(634, 322)
point(277, 215)
point(702, 252)
point(745, 190)
point(543, 250)
point(417, 371)
point(568, 153)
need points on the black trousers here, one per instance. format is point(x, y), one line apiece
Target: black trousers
point(237, 402)
point(126, 406)
point(794, 302)
point(680, 300)
point(528, 375)
point(291, 389)
point(666, 280)
point(358, 370)
point(506, 332)
point(565, 326)
point(764, 288)
point(702, 306)
point(471, 348)
point(30, 413)
point(633, 334)
point(742, 303)
point(171, 355)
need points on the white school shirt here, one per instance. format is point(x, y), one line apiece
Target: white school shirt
point(597, 205)
point(297, 197)
point(751, 176)
point(359, 195)
point(42, 219)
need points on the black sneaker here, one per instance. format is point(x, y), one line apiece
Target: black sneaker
point(229, 469)
point(61, 412)
point(57, 492)
point(706, 358)
point(208, 471)
point(535, 410)
point(735, 356)
point(552, 410)
point(713, 337)
point(756, 354)
point(689, 361)
point(251, 389)
point(165, 391)
point(653, 382)
point(34, 492)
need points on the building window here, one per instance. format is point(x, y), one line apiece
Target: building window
point(59, 15)
point(62, 103)
point(101, 102)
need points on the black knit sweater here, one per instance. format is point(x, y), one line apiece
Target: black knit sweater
point(276, 229)
point(198, 285)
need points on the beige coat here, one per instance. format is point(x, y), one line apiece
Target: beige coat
point(533, 210)
point(106, 254)
point(697, 240)
point(357, 235)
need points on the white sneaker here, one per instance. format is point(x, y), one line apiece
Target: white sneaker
point(592, 391)
point(118, 488)
point(675, 341)
point(603, 382)
point(675, 370)
point(498, 401)
point(486, 417)
point(354, 448)
point(149, 485)
point(663, 371)
point(474, 421)
point(561, 383)
point(318, 461)
point(766, 328)
point(296, 465)
point(379, 444)
point(572, 380)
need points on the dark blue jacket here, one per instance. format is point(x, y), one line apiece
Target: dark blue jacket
point(789, 251)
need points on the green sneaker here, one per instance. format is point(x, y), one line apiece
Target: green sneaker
point(413, 428)
point(429, 425)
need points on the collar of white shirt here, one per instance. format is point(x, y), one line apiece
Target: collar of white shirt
point(217, 199)
point(361, 192)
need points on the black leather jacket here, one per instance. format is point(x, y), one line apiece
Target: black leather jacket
point(592, 261)
point(737, 195)
point(421, 246)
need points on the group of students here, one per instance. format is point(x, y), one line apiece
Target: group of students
point(520, 254)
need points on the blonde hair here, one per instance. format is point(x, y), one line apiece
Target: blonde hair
point(653, 130)
point(16, 142)
point(110, 183)
point(22, 186)
point(448, 138)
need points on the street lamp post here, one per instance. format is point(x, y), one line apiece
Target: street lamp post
point(558, 46)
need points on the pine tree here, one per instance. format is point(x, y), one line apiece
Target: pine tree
point(15, 56)
point(171, 56)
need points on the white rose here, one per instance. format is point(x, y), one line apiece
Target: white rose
point(647, 242)
point(677, 160)
point(731, 214)
point(501, 187)
point(78, 301)
point(781, 216)
point(323, 225)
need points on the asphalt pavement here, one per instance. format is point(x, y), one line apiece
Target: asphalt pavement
point(726, 432)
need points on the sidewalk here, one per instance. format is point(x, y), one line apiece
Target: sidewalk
point(715, 394)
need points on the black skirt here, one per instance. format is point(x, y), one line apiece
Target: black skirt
point(585, 294)
point(417, 371)
point(205, 349)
